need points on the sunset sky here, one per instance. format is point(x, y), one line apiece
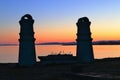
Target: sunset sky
point(55, 20)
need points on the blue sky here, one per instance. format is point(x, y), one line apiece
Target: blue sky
point(55, 20)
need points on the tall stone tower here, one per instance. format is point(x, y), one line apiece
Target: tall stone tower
point(84, 41)
point(27, 54)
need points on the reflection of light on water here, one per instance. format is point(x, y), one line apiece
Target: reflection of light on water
point(45, 50)
point(105, 51)
point(10, 53)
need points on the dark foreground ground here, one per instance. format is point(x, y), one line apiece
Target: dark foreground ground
point(104, 69)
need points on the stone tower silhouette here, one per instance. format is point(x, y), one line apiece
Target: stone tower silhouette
point(27, 54)
point(84, 41)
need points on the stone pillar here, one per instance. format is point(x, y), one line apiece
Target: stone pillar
point(27, 54)
point(84, 41)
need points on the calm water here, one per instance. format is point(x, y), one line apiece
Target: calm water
point(9, 54)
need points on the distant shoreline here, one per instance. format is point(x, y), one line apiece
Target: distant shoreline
point(8, 44)
point(59, 44)
point(111, 42)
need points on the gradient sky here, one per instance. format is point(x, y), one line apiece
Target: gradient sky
point(55, 20)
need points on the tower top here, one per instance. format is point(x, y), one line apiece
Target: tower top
point(26, 19)
point(27, 16)
point(83, 19)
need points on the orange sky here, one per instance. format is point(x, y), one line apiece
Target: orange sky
point(56, 23)
point(68, 34)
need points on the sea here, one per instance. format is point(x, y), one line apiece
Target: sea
point(9, 54)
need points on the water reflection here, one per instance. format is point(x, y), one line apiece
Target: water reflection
point(10, 53)
point(105, 51)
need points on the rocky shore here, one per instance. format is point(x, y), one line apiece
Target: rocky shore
point(103, 69)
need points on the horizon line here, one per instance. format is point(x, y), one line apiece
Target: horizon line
point(99, 42)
